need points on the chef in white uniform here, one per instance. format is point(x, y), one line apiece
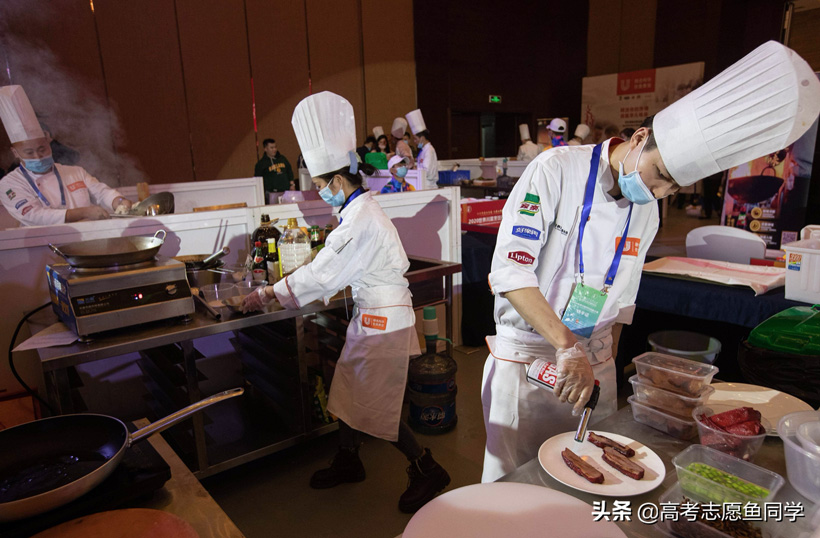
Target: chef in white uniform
point(528, 150)
point(403, 149)
point(561, 274)
point(40, 192)
point(580, 135)
point(365, 253)
point(427, 158)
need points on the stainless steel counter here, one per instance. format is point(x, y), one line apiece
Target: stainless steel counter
point(667, 447)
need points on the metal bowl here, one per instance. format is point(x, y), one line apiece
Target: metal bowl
point(161, 203)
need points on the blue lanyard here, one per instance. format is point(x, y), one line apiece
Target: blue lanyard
point(355, 194)
point(589, 194)
point(40, 194)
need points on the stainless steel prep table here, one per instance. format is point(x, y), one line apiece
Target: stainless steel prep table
point(56, 362)
point(667, 447)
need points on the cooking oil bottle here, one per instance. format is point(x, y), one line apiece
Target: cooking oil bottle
point(294, 248)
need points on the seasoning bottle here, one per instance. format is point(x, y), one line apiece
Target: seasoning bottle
point(294, 248)
point(259, 268)
point(272, 262)
point(265, 231)
point(316, 242)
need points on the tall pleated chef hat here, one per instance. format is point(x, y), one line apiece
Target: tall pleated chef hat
point(416, 121)
point(759, 105)
point(378, 131)
point(582, 131)
point(524, 131)
point(399, 127)
point(326, 131)
point(18, 115)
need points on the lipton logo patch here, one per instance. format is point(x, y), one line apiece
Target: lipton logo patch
point(521, 258)
point(11, 194)
point(631, 247)
point(76, 186)
point(526, 232)
point(374, 322)
point(531, 205)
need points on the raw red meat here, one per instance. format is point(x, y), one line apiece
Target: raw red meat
point(735, 416)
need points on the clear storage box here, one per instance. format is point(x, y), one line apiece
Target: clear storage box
point(660, 420)
point(673, 373)
point(674, 402)
point(729, 479)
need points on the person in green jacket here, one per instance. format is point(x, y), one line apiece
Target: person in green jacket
point(274, 169)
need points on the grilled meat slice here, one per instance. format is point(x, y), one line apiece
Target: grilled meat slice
point(581, 467)
point(623, 464)
point(603, 442)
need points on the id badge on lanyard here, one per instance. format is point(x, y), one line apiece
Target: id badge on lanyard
point(40, 195)
point(586, 303)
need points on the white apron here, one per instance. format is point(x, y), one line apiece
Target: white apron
point(371, 373)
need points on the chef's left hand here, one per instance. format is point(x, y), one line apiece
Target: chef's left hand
point(257, 300)
point(121, 201)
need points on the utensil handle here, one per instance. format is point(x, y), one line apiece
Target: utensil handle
point(211, 310)
point(182, 414)
point(57, 251)
point(215, 256)
point(163, 232)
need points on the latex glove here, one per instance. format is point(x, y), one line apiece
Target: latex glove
point(575, 378)
point(257, 300)
point(123, 202)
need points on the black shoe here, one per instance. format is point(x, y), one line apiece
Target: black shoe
point(426, 478)
point(345, 467)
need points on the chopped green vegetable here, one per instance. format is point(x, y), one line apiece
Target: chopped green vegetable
point(724, 479)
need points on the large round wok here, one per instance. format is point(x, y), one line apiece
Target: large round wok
point(50, 462)
point(110, 251)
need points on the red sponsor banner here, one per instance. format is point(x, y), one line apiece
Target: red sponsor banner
point(633, 244)
point(636, 82)
point(374, 322)
point(521, 258)
point(76, 186)
point(26, 210)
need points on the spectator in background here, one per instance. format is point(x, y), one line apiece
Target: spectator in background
point(711, 200)
point(580, 135)
point(626, 133)
point(555, 131)
point(400, 144)
point(369, 144)
point(274, 169)
point(382, 145)
point(397, 183)
point(409, 140)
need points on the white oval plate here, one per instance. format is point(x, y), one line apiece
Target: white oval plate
point(615, 484)
point(772, 404)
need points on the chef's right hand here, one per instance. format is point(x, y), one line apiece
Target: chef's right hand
point(575, 378)
point(257, 300)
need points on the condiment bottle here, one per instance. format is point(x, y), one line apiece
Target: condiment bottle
point(259, 268)
point(294, 248)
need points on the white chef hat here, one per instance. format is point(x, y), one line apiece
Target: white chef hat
point(18, 115)
point(759, 105)
point(416, 121)
point(582, 131)
point(326, 131)
point(378, 131)
point(524, 131)
point(399, 127)
point(557, 125)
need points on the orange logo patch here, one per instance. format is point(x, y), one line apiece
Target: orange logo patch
point(374, 322)
point(631, 247)
point(76, 186)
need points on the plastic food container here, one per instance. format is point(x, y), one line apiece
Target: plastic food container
point(802, 466)
point(674, 402)
point(674, 373)
point(683, 527)
point(808, 434)
point(744, 447)
point(733, 480)
point(656, 418)
point(686, 344)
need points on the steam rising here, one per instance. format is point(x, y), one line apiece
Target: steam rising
point(74, 108)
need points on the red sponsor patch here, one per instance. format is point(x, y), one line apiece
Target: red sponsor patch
point(76, 186)
point(633, 244)
point(26, 210)
point(374, 322)
point(521, 258)
point(636, 82)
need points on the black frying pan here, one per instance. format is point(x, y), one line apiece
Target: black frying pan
point(50, 462)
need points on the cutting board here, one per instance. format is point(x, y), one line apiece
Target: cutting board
point(129, 523)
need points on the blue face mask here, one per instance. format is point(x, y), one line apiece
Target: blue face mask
point(632, 186)
point(334, 200)
point(421, 144)
point(401, 171)
point(39, 166)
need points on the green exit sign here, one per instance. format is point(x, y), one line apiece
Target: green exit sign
point(495, 98)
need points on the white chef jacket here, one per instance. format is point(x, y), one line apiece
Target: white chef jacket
point(538, 247)
point(364, 252)
point(528, 151)
point(81, 190)
point(428, 160)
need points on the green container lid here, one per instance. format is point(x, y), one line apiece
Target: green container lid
point(377, 159)
point(795, 330)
